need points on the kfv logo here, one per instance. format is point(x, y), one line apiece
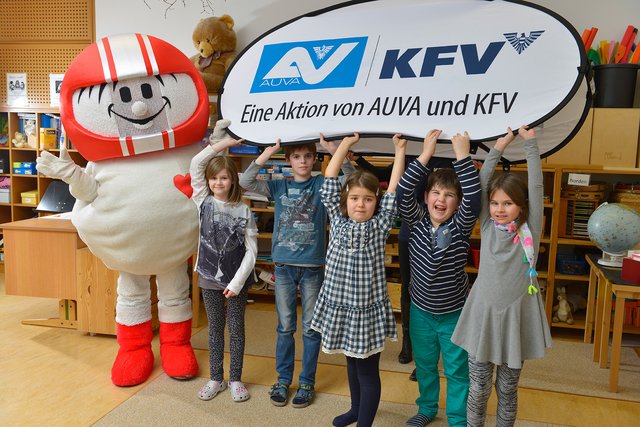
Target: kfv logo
point(318, 64)
point(521, 42)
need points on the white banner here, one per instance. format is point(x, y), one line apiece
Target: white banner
point(387, 66)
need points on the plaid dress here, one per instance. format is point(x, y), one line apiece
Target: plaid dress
point(353, 312)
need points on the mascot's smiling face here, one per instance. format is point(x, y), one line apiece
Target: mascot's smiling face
point(132, 94)
point(138, 106)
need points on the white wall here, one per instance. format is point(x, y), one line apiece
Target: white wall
point(254, 17)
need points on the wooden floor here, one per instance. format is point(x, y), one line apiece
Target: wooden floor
point(60, 377)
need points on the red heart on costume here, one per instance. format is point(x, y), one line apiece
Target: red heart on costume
point(183, 183)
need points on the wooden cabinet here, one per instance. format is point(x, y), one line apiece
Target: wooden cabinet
point(24, 179)
point(578, 284)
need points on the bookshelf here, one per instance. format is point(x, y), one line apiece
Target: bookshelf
point(18, 163)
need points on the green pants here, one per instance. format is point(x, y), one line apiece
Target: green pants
point(431, 336)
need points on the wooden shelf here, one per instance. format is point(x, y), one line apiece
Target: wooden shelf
point(573, 277)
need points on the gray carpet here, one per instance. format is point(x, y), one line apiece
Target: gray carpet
point(167, 402)
point(567, 366)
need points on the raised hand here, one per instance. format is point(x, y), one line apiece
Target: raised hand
point(503, 142)
point(429, 146)
point(220, 131)
point(461, 145)
point(56, 167)
point(398, 141)
point(526, 133)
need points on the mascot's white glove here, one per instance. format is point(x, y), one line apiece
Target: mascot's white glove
point(82, 186)
point(220, 131)
point(62, 167)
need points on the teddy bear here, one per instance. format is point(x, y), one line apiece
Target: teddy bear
point(562, 310)
point(19, 140)
point(215, 41)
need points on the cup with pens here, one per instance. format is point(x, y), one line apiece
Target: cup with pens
point(615, 68)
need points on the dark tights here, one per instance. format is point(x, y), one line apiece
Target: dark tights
point(364, 385)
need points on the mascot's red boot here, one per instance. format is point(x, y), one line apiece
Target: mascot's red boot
point(178, 359)
point(134, 361)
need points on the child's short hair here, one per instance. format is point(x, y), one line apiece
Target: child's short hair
point(290, 149)
point(445, 178)
point(218, 164)
point(516, 189)
point(363, 179)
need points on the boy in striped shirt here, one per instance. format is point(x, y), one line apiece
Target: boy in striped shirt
point(438, 249)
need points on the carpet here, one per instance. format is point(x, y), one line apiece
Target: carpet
point(167, 402)
point(567, 367)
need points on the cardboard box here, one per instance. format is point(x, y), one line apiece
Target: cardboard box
point(48, 139)
point(5, 195)
point(578, 150)
point(614, 137)
point(30, 197)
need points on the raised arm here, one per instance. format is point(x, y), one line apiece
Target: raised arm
point(408, 207)
point(535, 180)
point(400, 145)
point(339, 154)
point(489, 165)
point(248, 179)
point(82, 185)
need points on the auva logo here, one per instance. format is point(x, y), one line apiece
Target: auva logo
point(317, 64)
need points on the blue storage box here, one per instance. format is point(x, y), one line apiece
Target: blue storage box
point(573, 264)
point(24, 168)
point(244, 149)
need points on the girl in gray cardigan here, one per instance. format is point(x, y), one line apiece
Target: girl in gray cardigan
point(503, 321)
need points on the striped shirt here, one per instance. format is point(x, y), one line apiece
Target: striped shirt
point(439, 283)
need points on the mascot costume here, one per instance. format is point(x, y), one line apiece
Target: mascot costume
point(135, 107)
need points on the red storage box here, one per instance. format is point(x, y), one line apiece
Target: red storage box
point(630, 270)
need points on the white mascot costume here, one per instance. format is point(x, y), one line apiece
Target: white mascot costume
point(135, 107)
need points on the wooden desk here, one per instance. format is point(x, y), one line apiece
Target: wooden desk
point(46, 258)
point(609, 283)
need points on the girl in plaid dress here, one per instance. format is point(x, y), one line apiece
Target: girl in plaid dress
point(353, 312)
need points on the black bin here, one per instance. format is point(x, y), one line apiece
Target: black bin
point(615, 85)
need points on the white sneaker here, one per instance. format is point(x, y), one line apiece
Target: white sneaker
point(239, 392)
point(210, 389)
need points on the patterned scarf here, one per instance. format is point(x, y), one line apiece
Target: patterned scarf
point(523, 234)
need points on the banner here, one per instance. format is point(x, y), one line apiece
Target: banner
point(408, 66)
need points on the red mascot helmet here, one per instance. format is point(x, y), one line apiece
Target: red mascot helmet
point(124, 57)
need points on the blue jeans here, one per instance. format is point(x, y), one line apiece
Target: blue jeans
point(309, 279)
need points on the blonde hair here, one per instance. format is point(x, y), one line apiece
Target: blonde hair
point(361, 179)
point(217, 165)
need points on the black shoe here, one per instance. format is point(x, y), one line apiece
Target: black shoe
point(413, 377)
point(404, 358)
point(406, 355)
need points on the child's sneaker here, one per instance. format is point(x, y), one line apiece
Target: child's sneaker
point(279, 394)
point(210, 389)
point(239, 392)
point(303, 396)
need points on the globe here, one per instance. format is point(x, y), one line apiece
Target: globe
point(614, 228)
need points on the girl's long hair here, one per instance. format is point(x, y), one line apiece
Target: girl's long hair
point(218, 164)
point(363, 179)
point(516, 188)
